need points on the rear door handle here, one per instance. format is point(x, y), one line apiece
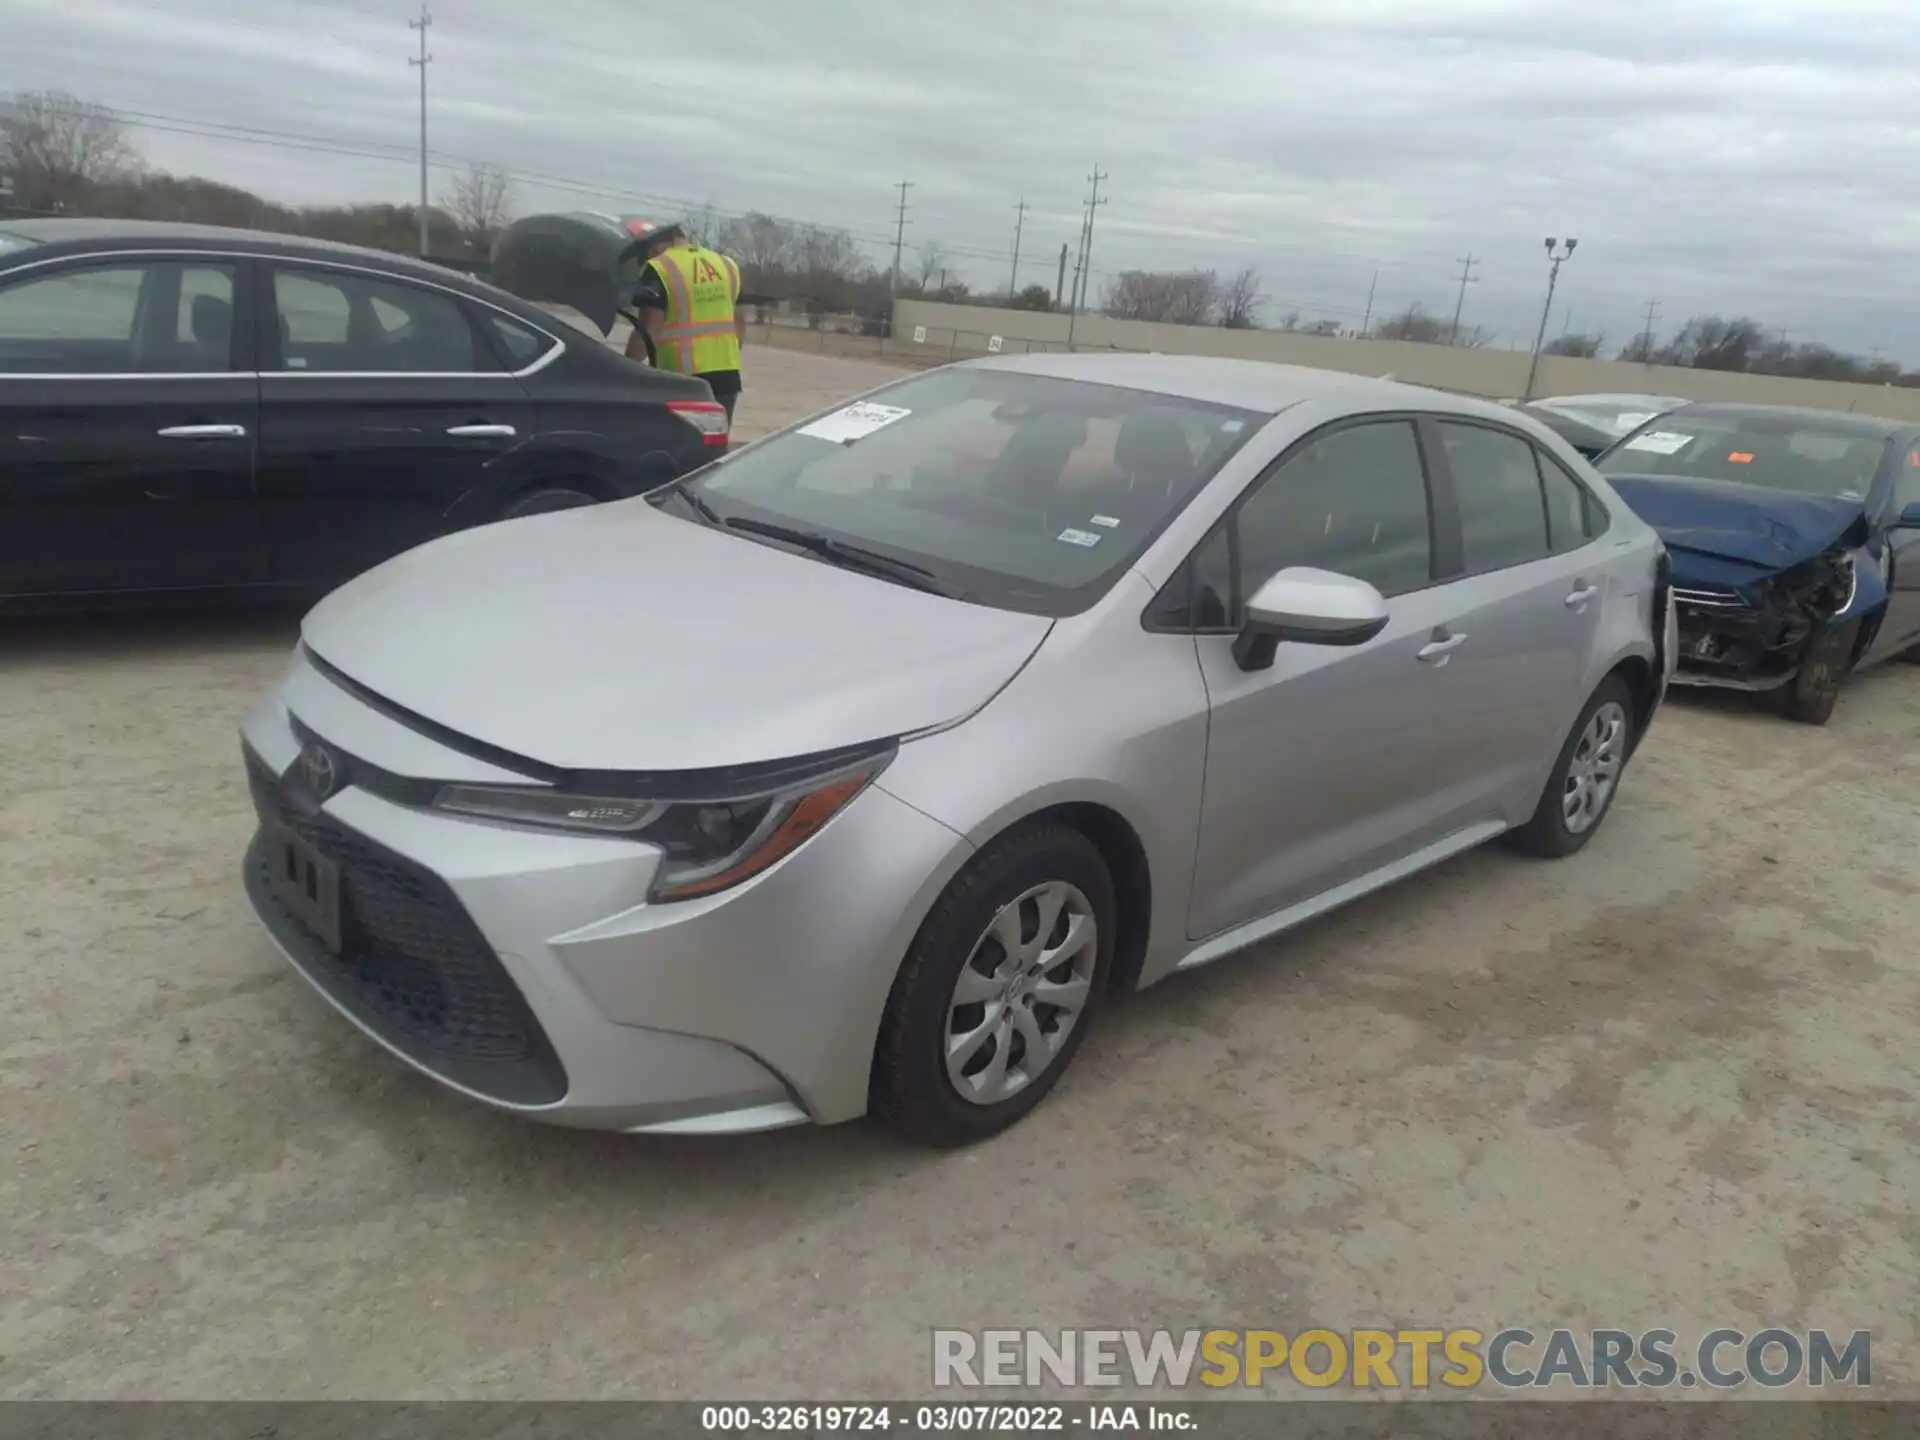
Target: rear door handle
point(1435, 652)
point(483, 432)
point(204, 432)
point(1581, 595)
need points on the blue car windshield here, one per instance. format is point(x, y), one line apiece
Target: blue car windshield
point(1801, 455)
point(1023, 491)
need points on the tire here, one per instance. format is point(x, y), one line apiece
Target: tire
point(1550, 835)
point(547, 499)
point(1809, 697)
point(914, 1090)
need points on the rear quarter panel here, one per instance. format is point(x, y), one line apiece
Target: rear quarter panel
point(603, 418)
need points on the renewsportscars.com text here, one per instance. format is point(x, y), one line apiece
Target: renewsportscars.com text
point(1460, 1359)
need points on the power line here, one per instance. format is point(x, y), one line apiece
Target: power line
point(1084, 263)
point(1467, 277)
point(1019, 224)
point(422, 25)
point(900, 235)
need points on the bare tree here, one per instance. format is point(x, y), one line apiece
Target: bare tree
point(705, 226)
point(1580, 347)
point(1170, 297)
point(1415, 324)
point(932, 257)
point(57, 148)
point(1240, 302)
point(481, 202)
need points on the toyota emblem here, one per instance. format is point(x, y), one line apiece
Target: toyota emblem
point(318, 769)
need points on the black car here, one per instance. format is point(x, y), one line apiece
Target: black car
point(184, 408)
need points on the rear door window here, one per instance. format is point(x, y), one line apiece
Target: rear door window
point(1573, 515)
point(1496, 482)
point(342, 322)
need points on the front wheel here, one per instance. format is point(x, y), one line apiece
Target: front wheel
point(546, 500)
point(1810, 696)
point(998, 990)
point(1585, 776)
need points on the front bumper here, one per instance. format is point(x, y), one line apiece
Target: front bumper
point(525, 970)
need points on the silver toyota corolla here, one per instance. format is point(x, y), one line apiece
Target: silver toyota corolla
point(851, 773)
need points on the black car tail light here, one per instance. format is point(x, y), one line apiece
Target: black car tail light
point(709, 417)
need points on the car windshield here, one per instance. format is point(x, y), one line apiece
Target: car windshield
point(1022, 491)
point(1777, 451)
point(13, 242)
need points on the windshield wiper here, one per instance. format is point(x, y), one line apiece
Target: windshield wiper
point(700, 507)
point(848, 556)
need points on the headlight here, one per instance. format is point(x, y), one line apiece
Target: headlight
point(709, 844)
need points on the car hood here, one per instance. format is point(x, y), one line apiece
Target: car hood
point(1767, 529)
point(615, 637)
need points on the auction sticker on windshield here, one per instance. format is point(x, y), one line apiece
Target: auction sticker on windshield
point(1086, 539)
point(854, 422)
point(1660, 442)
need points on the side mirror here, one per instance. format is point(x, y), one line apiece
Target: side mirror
point(1308, 607)
point(1909, 518)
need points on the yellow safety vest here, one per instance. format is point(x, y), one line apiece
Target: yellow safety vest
point(702, 287)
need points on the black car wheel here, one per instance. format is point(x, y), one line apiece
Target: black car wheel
point(1809, 697)
point(546, 499)
point(998, 990)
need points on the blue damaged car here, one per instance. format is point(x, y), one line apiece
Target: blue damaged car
point(1794, 539)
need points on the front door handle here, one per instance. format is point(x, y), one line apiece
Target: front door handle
point(204, 432)
point(1435, 652)
point(1581, 595)
point(483, 432)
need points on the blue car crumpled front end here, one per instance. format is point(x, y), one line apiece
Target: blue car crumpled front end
point(1763, 581)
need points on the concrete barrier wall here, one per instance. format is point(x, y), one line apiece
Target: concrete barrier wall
point(965, 331)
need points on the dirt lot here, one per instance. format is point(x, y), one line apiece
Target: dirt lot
point(1666, 1083)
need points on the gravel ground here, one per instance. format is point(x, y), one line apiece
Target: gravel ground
point(1666, 1083)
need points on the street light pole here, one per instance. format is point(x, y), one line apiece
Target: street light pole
point(1553, 278)
point(422, 25)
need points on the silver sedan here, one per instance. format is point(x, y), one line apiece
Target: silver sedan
point(852, 773)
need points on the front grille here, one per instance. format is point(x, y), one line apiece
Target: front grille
point(412, 965)
point(1712, 597)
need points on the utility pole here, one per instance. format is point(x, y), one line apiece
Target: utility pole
point(1467, 277)
point(1646, 336)
point(1556, 260)
point(422, 25)
point(1366, 325)
point(900, 234)
point(1019, 224)
point(1060, 285)
point(1083, 270)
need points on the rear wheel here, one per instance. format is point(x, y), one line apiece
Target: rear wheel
point(998, 990)
point(1585, 777)
point(1809, 697)
point(547, 498)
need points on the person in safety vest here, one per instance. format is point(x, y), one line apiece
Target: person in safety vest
point(687, 298)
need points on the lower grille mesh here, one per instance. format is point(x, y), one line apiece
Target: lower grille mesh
point(412, 965)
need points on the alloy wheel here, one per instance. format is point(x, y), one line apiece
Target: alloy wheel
point(1594, 768)
point(1022, 990)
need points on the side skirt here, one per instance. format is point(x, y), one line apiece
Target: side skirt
point(1252, 932)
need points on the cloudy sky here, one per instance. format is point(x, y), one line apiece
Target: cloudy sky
point(1753, 156)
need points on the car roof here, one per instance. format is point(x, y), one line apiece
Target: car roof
point(88, 234)
point(1608, 399)
point(1878, 426)
point(1258, 385)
